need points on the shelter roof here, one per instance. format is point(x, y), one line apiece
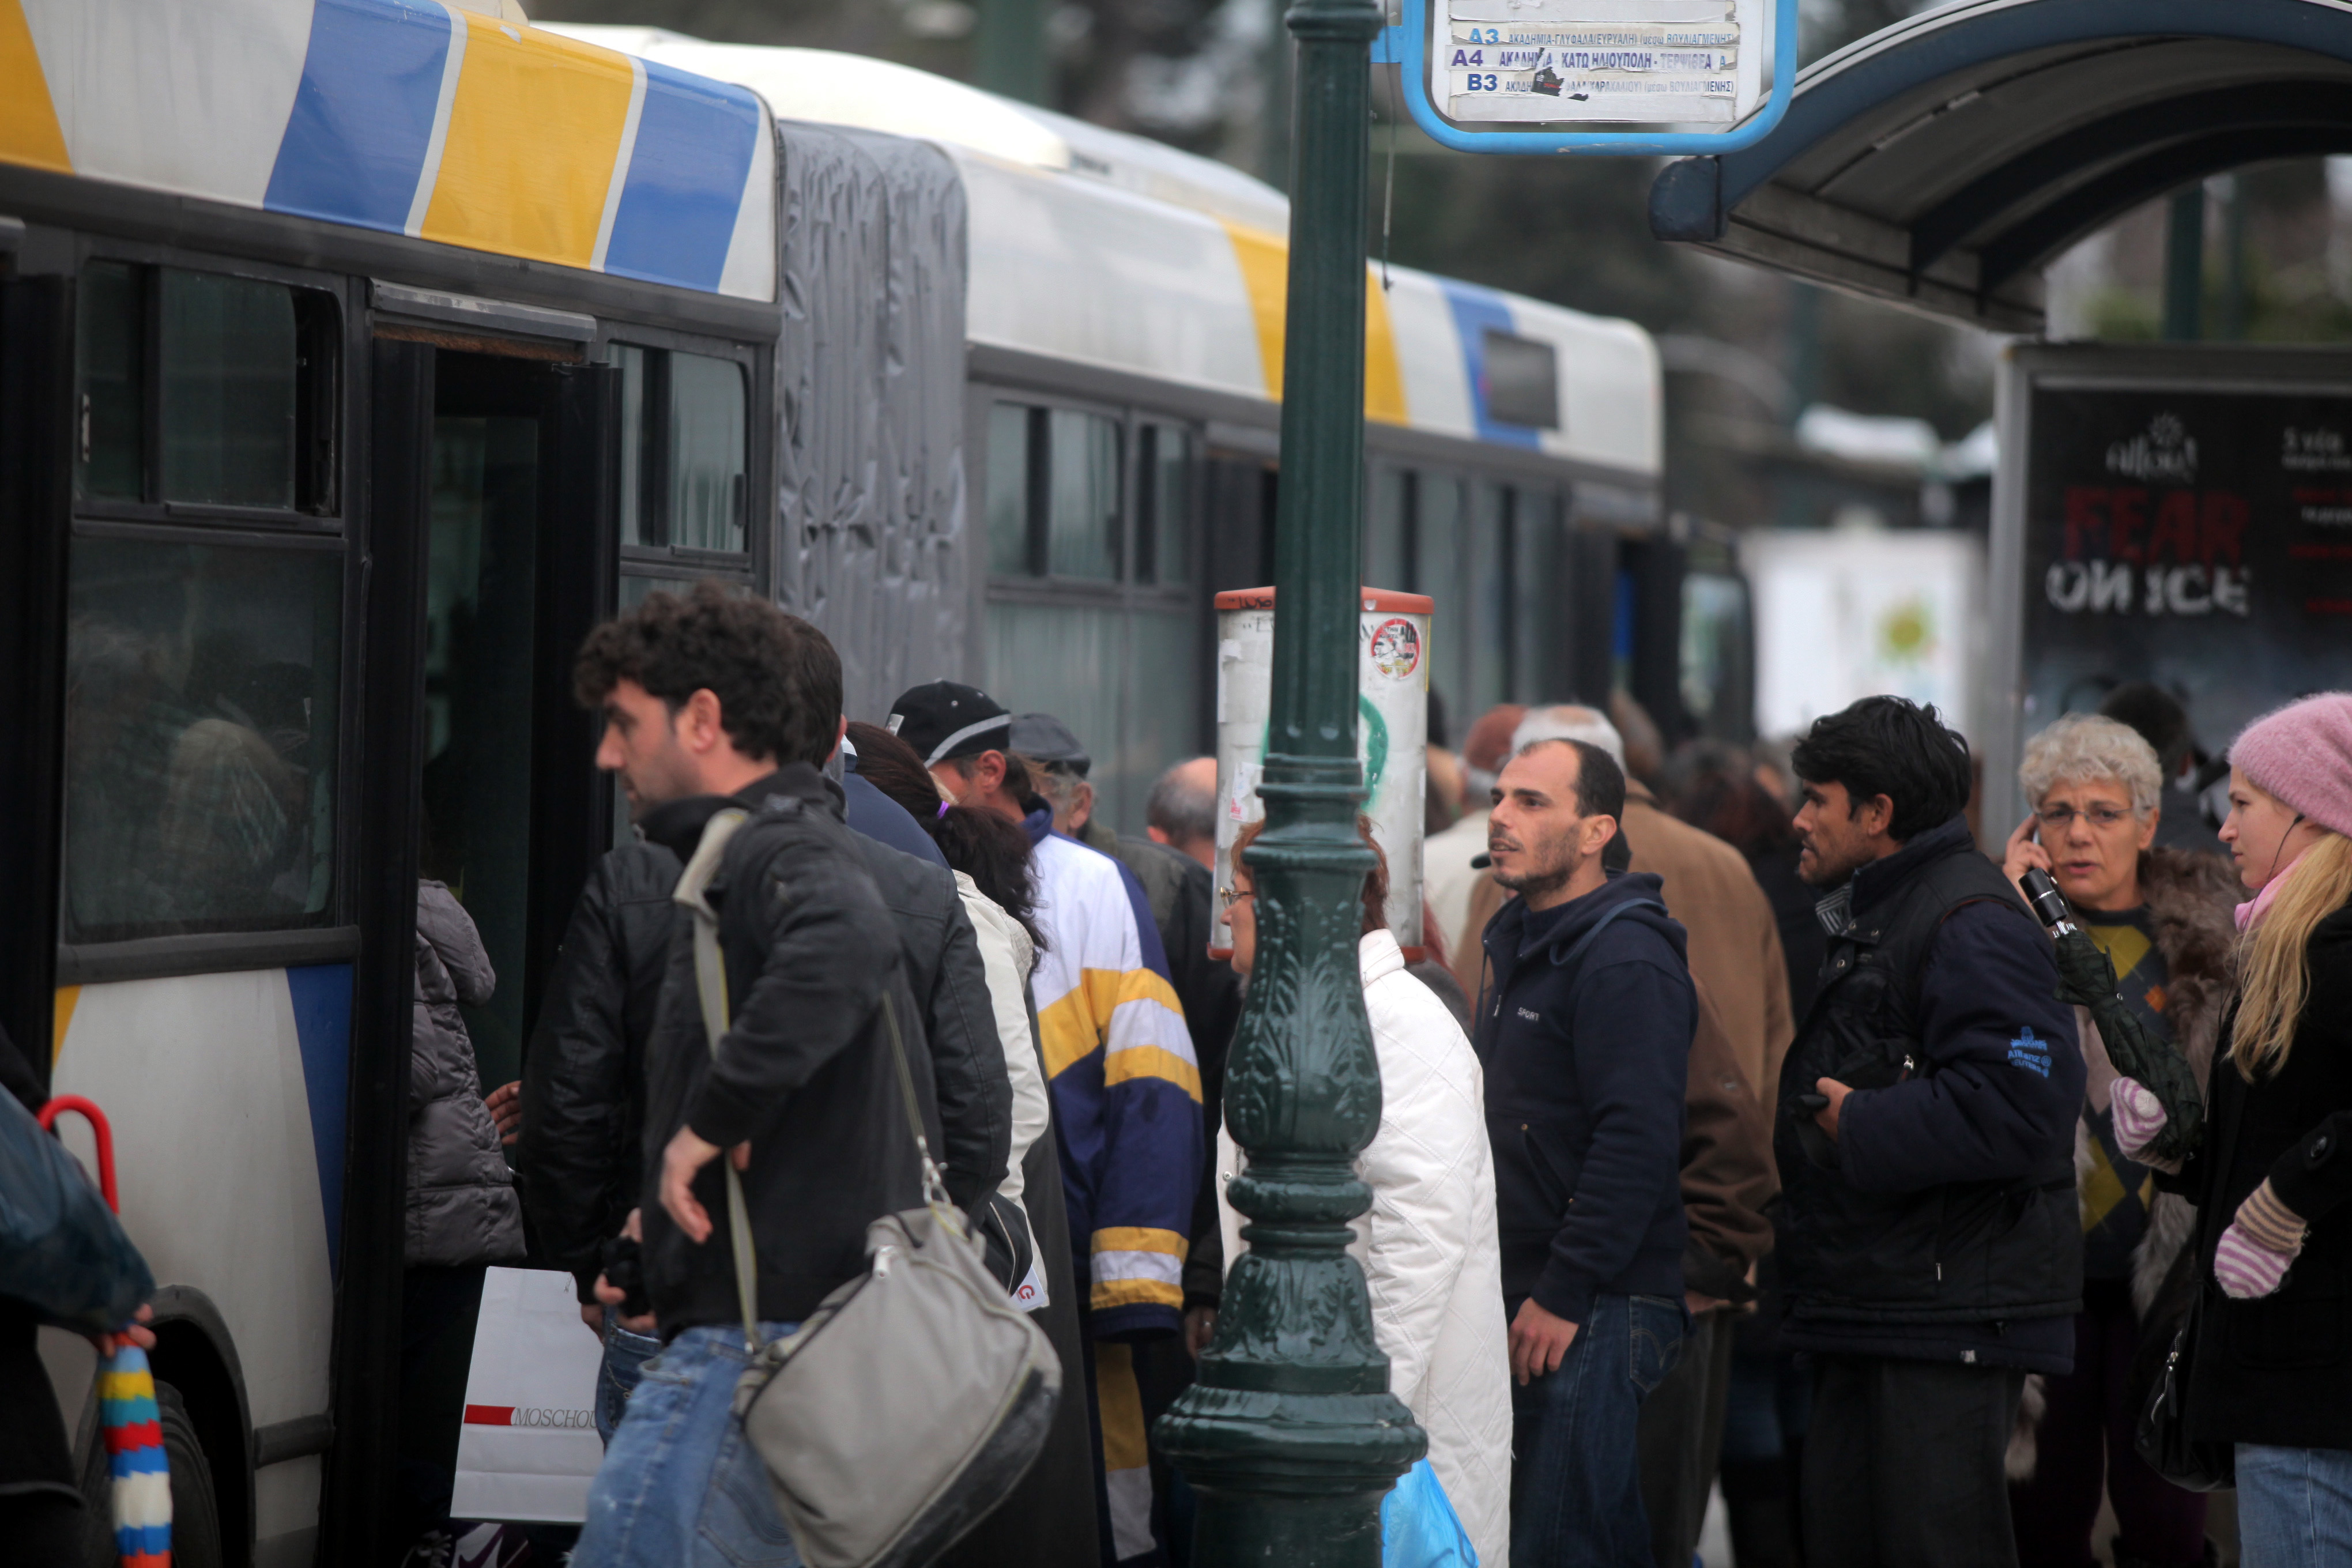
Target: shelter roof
point(1939, 163)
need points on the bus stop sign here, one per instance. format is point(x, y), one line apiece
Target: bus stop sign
point(1608, 77)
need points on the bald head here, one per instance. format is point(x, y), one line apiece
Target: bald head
point(1182, 810)
point(1569, 722)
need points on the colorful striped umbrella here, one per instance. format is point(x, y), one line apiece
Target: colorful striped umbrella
point(134, 1455)
point(127, 1415)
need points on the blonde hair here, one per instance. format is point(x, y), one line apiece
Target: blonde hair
point(2272, 958)
point(2083, 748)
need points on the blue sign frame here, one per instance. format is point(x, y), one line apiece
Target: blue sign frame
point(1407, 47)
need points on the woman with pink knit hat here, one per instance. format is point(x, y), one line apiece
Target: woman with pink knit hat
point(2270, 1370)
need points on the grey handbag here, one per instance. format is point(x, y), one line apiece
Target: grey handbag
point(903, 1411)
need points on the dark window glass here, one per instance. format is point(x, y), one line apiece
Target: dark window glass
point(707, 428)
point(1487, 602)
point(1522, 381)
point(1388, 531)
point(109, 328)
point(1008, 488)
point(1082, 511)
point(200, 738)
point(481, 590)
point(1164, 525)
point(685, 421)
point(1440, 571)
point(1537, 620)
point(230, 353)
point(226, 387)
point(635, 527)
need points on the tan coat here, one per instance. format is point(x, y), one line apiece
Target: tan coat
point(1735, 944)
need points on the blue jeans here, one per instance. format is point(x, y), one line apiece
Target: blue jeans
point(680, 1487)
point(626, 1355)
point(2294, 1507)
point(1576, 1480)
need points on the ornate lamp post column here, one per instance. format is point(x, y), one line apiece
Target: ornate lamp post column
point(1290, 1435)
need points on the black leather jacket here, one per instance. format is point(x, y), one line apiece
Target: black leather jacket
point(583, 1082)
point(583, 1077)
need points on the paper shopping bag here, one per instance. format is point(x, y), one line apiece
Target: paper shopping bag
point(528, 1447)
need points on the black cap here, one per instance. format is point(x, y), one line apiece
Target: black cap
point(946, 720)
point(1041, 738)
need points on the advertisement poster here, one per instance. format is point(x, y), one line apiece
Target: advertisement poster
point(2200, 537)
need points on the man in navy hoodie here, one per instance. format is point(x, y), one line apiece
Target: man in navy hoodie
point(1584, 1027)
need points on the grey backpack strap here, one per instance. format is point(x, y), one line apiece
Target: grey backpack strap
point(710, 987)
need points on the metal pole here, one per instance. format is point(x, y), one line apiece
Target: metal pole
point(1290, 1435)
point(2184, 265)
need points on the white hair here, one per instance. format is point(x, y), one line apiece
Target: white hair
point(2081, 747)
point(1569, 722)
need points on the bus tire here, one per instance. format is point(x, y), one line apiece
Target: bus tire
point(196, 1513)
point(195, 1510)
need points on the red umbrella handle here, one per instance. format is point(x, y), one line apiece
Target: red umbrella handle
point(97, 1125)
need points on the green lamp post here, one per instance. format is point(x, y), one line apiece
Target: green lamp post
point(1290, 1437)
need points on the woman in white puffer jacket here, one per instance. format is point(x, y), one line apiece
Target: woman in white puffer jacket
point(1428, 1245)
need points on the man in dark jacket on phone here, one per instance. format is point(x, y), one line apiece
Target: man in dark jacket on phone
point(1931, 1244)
point(712, 702)
point(1584, 1028)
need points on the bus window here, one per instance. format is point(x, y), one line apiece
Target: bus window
point(227, 356)
point(684, 448)
point(1088, 617)
point(236, 373)
point(113, 411)
point(1082, 512)
point(1716, 646)
point(1439, 572)
point(1489, 601)
point(1538, 606)
point(1012, 537)
point(200, 738)
point(1163, 503)
point(1388, 531)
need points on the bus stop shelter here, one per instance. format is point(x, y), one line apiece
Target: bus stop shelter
point(1941, 162)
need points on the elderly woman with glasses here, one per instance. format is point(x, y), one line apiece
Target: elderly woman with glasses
point(2163, 918)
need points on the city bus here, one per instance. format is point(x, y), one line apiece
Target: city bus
point(357, 356)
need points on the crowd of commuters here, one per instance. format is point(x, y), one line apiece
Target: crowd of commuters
point(1744, 1127)
point(1751, 1130)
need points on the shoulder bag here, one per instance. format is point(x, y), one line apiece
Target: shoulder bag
point(914, 1396)
point(2162, 1436)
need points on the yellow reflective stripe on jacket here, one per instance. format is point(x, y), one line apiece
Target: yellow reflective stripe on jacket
point(1079, 1020)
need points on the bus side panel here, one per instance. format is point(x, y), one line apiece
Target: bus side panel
point(227, 1094)
point(874, 534)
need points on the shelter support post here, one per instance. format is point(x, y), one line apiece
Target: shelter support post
point(1291, 1436)
point(1009, 54)
point(2184, 265)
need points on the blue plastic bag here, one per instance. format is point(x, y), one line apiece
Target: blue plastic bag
point(61, 1251)
point(1419, 1528)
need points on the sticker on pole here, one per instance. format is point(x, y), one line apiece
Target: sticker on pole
point(1596, 76)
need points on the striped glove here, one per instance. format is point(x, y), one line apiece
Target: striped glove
point(2140, 1117)
point(2259, 1246)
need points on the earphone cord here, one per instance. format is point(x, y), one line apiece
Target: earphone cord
point(2281, 848)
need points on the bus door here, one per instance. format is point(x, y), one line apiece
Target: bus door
point(35, 486)
point(493, 547)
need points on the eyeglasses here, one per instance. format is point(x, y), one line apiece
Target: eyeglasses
point(2061, 817)
point(1232, 898)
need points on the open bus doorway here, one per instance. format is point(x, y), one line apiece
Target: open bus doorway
point(495, 475)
